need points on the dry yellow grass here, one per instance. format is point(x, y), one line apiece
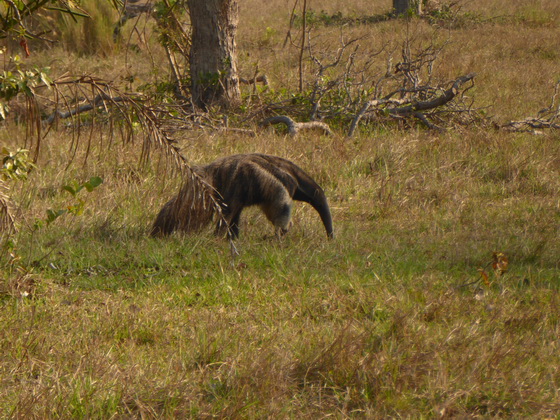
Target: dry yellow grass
point(392, 319)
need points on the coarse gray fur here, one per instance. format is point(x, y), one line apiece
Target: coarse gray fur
point(241, 181)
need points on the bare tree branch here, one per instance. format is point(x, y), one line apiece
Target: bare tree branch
point(530, 124)
point(367, 106)
point(410, 106)
point(254, 80)
point(438, 101)
point(96, 102)
point(548, 117)
point(295, 127)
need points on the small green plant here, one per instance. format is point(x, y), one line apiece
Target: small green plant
point(12, 83)
point(76, 208)
point(16, 165)
point(15, 261)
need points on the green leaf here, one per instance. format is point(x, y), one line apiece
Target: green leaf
point(70, 190)
point(38, 224)
point(45, 79)
point(52, 215)
point(94, 182)
point(77, 209)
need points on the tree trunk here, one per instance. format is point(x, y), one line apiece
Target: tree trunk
point(213, 57)
point(401, 7)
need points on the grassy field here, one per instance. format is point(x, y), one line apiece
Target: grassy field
point(393, 318)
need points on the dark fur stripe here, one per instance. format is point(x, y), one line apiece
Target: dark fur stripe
point(241, 181)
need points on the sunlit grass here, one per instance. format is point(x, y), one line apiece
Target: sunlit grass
point(391, 319)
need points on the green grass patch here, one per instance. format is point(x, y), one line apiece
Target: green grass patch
point(403, 314)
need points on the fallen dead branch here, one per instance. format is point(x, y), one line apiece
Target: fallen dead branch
point(295, 127)
point(254, 80)
point(531, 125)
point(438, 101)
point(105, 101)
point(99, 100)
point(547, 118)
point(410, 106)
point(367, 106)
point(131, 10)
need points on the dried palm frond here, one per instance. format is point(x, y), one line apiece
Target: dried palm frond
point(6, 218)
point(133, 113)
point(76, 96)
point(193, 208)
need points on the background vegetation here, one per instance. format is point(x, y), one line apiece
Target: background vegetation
point(407, 313)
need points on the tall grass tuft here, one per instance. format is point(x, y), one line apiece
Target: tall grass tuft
point(93, 35)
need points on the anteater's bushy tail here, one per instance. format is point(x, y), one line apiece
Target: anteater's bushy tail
point(189, 211)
